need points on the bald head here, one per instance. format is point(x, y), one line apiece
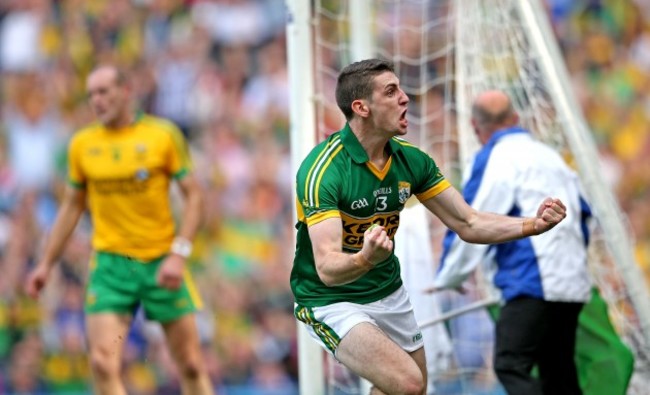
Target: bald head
point(492, 102)
point(108, 95)
point(108, 73)
point(492, 110)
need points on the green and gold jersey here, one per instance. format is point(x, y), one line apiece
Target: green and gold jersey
point(337, 180)
point(126, 173)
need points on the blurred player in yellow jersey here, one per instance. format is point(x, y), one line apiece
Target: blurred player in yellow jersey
point(120, 168)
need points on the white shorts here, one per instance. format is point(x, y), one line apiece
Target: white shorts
point(392, 314)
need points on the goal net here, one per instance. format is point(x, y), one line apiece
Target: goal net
point(445, 52)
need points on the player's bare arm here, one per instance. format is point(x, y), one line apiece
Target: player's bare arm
point(72, 207)
point(193, 204)
point(488, 228)
point(170, 274)
point(336, 267)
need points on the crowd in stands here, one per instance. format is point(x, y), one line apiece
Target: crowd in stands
point(606, 46)
point(218, 69)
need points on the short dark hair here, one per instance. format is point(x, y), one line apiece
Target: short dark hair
point(356, 82)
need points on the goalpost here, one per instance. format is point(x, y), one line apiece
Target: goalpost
point(445, 51)
point(303, 139)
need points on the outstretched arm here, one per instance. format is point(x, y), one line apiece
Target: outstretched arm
point(72, 206)
point(489, 228)
point(336, 267)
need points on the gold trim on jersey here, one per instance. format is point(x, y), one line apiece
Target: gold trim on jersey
point(404, 142)
point(315, 174)
point(320, 217)
point(380, 174)
point(433, 191)
point(322, 173)
point(300, 213)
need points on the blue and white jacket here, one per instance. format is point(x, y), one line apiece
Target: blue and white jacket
point(512, 174)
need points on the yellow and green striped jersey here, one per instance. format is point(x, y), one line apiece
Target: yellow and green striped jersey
point(337, 180)
point(126, 173)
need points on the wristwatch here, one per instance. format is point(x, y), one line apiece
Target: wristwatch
point(182, 247)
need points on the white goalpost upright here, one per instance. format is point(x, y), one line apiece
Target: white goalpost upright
point(302, 139)
point(362, 47)
point(445, 52)
point(362, 43)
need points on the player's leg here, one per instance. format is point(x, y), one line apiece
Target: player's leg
point(419, 356)
point(368, 352)
point(519, 331)
point(420, 359)
point(184, 345)
point(557, 368)
point(107, 333)
point(379, 341)
point(111, 298)
point(175, 310)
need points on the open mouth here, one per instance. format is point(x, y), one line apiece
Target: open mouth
point(402, 119)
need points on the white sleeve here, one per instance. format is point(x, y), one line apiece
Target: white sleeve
point(490, 187)
point(458, 261)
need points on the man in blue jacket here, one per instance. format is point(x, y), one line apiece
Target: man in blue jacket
point(544, 280)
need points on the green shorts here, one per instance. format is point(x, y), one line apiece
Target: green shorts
point(119, 284)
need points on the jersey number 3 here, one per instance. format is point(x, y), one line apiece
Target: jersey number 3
point(380, 203)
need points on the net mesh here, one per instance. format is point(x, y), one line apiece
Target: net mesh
point(435, 54)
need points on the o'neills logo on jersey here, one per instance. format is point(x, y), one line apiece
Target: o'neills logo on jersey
point(122, 186)
point(382, 191)
point(404, 191)
point(354, 228)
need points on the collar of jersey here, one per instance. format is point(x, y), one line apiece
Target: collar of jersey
point(137, 117)
point(505, 132)
point(355, 149)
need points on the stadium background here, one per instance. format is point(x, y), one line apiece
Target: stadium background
point(218, 69)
